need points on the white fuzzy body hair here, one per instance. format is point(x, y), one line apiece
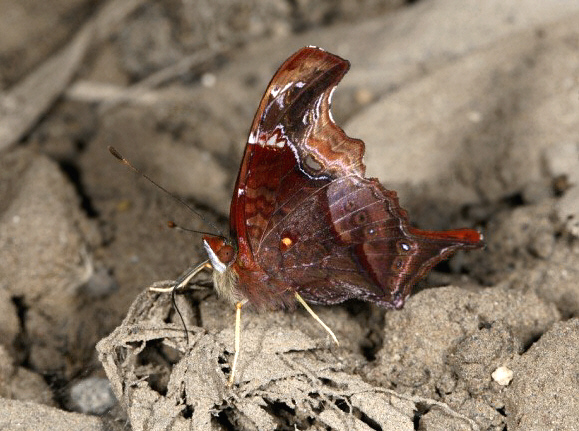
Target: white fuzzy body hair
point(226, 285)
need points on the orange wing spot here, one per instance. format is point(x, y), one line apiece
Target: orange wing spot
point(286, 243)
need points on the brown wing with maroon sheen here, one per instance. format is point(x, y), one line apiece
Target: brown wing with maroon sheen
point(305, 217)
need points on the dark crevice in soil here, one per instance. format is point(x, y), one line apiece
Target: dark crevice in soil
point(513, 201)
point(421, 410)
point(282, 412)
point(484, 325)
point(60, 388)
point(367, 420)
point(162, 358)
point(72, 171)
point(529, 343)
point(188, 412)
point(343, 405)
point(223, 421)
point(371, 317)
point(224, 363)
point(21, 343)
point(371, 344)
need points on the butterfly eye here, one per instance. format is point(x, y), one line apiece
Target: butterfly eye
point(226, 254)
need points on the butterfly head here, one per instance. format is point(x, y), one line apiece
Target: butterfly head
point(220, 251)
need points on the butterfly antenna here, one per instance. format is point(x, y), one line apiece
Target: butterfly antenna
point(128, 164)
point(172, 225)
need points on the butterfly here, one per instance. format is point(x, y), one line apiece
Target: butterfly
point(306, 225)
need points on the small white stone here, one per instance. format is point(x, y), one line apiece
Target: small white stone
point(475, 117)
point(92, 395)
point(502, 375)
point(208, 80)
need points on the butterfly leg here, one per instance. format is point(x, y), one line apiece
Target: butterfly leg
point(238, 306)
point(315, 316)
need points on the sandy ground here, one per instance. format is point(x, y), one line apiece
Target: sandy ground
point(469, 110)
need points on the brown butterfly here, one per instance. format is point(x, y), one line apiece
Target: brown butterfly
point(306, 225)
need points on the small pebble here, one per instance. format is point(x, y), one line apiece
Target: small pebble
point(92, 396)
point(502, 375)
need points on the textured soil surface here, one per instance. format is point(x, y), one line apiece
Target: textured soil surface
point(470, 110)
